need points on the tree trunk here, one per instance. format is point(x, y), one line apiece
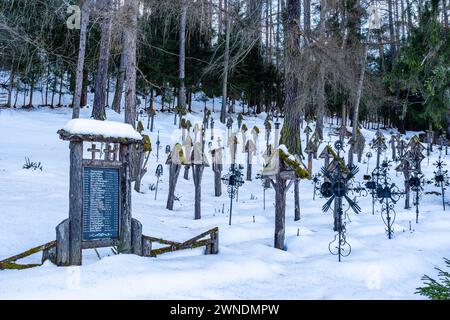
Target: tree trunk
point(84, 101)
point(182, 57)
point(360, 87)
point(225, 71)
point(130, 38)
point(307, 16)
point(119, 83)
point(98, 110)
point(445, 11)
point(11, 83)
point(85, 11)
point(290, 134)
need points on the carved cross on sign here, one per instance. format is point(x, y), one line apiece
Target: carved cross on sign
point(93, 150)
point(110, 153)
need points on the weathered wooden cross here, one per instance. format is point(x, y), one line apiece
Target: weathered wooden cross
point(93, 150)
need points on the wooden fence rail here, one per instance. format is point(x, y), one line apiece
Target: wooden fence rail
point(10, 263)
point(49, 249)
point(211, 244)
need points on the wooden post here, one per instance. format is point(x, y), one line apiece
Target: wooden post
point(75, 202)
point(136, 237)
point(125, 223)
point(197, 173)
point(297, 200)
point(213, 246)
point(392, 141)
point(280, 207)
point(174, 171)
point(217, 169)
point(63, 244)
point(407, 186)
point(146, 247)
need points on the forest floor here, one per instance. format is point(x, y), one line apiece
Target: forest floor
point(32, 203)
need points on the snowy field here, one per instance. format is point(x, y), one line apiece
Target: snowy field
point(32, 203)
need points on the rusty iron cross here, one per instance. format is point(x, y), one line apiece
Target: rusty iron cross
point(93, 150)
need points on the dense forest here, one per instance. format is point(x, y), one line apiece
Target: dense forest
point(322, 60)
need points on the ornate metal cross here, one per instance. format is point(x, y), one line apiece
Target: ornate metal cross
point(441, 178)
point(233, 180)
point(336, 188)
point(388, 195)
point(159, 172)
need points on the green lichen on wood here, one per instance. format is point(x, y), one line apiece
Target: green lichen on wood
point(256, 130)
point(16, 266)
point(300, 172)
point(183, 123)
point(10, 263)
point(200, 243)
point(292, 141)
point(244, 128)
point(140, 127)
point(147, 144)
point(339, 160)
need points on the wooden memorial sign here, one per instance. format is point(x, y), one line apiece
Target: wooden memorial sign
point(100, 191)
point(101, 203)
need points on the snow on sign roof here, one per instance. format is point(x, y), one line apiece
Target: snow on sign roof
point(95, 128)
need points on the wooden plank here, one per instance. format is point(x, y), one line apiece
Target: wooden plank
point(204, 234)
point(75, 201)
point(194, 245)
point(100, 243)
point(16, 266)
point(161, 241)
point(101, 163)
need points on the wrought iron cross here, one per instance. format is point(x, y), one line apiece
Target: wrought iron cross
point(335, 189)
point(233, 180)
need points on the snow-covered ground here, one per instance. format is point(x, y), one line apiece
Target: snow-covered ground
point(32, 203)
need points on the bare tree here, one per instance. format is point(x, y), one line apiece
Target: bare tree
point(225, 67)
point(98, 110)
point(85, 10)
point(182, 56)
point(119, 82)
point(290, 134)
point(130, 15)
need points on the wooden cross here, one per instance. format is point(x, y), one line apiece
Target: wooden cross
point(93, 150)
point(309, 150)
point(110, 151)
point(393, 141)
